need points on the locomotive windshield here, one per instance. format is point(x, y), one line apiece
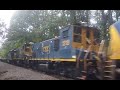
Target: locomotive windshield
point(65, 33)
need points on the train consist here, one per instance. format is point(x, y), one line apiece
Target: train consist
point(75, 52)
point(60, 53)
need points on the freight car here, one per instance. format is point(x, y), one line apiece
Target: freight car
point(65, 53)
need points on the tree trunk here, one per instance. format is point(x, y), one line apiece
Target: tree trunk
point(104, 21)
point(117, 14)
point(87, 16)
point(110, 18)
point(73, 16)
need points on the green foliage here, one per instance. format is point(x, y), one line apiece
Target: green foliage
point(39, 25)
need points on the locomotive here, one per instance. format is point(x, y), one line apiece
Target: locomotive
point(76, 52)
point(65, 53)
point(70, 52)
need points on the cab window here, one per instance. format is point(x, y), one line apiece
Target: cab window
point(77, 30)
point(77, 34)
point(65, 33)
point(88, 35)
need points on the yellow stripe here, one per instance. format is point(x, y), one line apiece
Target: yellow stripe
point(51, 59)
point(56, 59)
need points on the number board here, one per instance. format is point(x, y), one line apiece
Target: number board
point(46, 49)
point(65, 42)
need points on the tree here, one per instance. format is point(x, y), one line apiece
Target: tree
point(3, 31)
point(39, 25)
point(117, 12)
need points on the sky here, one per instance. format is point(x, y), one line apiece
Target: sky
point(6, 15)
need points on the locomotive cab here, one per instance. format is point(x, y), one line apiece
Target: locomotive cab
point(84, 36)
point(75, 37)
point(27, 50)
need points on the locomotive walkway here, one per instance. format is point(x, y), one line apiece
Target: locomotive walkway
point(11, 72)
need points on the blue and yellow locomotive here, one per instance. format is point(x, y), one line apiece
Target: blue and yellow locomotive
point(67, 46)
point(77, 51)
point(61, 52)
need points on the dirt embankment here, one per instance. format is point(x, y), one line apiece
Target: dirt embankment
point(11, 72)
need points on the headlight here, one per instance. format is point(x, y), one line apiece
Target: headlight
point(73, 56)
